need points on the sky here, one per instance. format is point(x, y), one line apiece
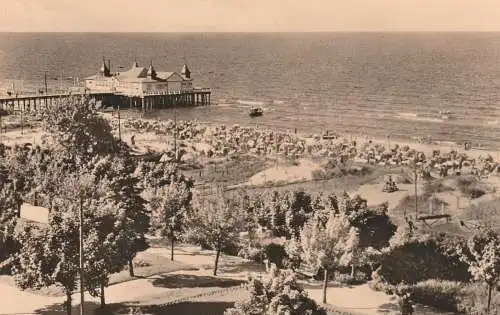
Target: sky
point(248, 15)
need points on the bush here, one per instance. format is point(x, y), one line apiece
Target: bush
point(445, 295)
point(350, 280)
point(380, 286)
point(276, 293)
point(231, 250)
point(474, 299)
point(252, 253)
point(276, 254)
point(470, 186)
point(419, 259)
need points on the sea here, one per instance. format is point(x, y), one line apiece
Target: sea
point(439, 86)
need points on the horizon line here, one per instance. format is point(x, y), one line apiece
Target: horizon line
point(250, 32)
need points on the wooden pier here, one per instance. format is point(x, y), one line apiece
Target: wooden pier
point(146, 101)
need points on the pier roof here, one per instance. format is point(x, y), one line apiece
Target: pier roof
point(167, 75)
point(135, 72)
point(142, 74)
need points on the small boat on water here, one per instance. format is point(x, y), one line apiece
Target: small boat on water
point(255, 111)
point(446, 114)
point(329, 136)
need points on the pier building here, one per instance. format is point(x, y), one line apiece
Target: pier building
point(139, 87)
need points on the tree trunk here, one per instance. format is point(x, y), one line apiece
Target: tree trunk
point(131, 267)
point(19, 209)
point(103, 299)
point(216, 261)
point(353, 269)
point(172, 240)
point(325, 285)
point(68, 303)
point(490, 288)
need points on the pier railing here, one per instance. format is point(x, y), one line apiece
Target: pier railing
point(20, 97)
point(177, 92)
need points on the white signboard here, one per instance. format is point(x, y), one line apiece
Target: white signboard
point(32, 213)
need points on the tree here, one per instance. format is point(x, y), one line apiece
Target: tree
point(8, 219)
point(169, 211)
point(19, 170)
point(133, 219)
point(102, 250)
point(276, 294)
point(323, 246)
point(353, 252)
point(47, 184)
point(298, 211)
point(293, 250)
point(483, 259)
point(50, 254)
point(276, 208)
point(79, 129)
point(154, 175)
point(374, 225)
point(215, 222)
point(413, 257)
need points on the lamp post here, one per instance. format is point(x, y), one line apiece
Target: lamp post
point(119, 126)
point(175, 132)
point(80, 269)
point(416, 194)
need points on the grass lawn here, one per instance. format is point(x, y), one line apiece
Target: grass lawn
point(145, 265)
point(229, 172)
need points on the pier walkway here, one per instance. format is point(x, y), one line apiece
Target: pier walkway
point(147, 101)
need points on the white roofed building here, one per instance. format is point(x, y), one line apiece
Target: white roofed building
point(139, 81)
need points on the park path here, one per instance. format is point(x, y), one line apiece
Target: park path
point(357, 299)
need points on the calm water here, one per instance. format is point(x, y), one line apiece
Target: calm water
point(367, 83)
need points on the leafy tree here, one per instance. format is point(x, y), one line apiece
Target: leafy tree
point(483, 259)
point(50, 254)
point(8, 219)
point(57, 165)
point(169, 211)
point(250, 208)
point(371, 257)
point(133, 219)
point(216, 222)
point(154, 175)
point(375, 226)
point(276, 207)
point(298, 211)
point(293, 250)
point(19, 173)
point(102, 251)
point(78, 128)
point(352, 254)
point(324, 246)
point(413, 257)
point(276, 294)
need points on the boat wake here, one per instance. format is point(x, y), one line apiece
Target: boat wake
point(416, 117)
point(250, 103)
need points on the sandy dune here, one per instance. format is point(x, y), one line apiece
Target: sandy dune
point(285, 174)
